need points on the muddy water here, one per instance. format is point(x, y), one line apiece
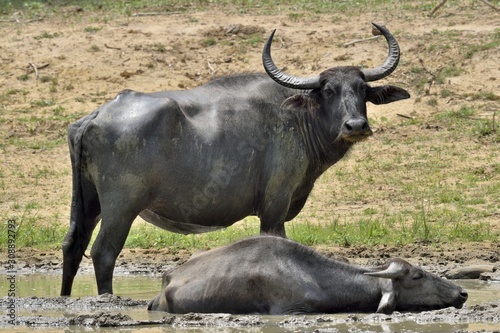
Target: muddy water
point(48, 285)
point(145, 287)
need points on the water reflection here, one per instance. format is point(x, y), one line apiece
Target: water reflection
point(49, 285)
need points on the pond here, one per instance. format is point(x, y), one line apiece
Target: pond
point(141, 287)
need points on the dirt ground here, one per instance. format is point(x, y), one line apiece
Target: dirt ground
point(83, 59)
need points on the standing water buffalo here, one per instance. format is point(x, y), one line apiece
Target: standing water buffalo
point(200, 160)
point(273, 275)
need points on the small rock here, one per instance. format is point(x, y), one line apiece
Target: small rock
point(469, 272)
point(490, 276)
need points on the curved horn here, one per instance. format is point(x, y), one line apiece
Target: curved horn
point(395, 270)
point(283, 78)
point(390, 63)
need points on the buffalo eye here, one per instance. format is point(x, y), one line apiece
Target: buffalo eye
point(418, 276)
point(329, 92)
point(362, 89)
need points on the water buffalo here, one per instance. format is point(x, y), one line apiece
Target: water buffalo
point(273, 275)
point(199, 160)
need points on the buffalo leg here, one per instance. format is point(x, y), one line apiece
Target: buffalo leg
point(274, 211)
point(273, 228)
point(272, 222)
point(85, 211)
point(275, 206)
point(108, 245)
point(72, 257)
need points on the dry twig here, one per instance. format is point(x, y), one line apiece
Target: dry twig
point(428, 72)
point(491, 5)
point(111, 47)
point(211, 68)
point(439, 5)
point(282, 43)
point(361, 40)
point(19, 21)
point(156, 13)
point(35, 70)
point(31, 67)
point(403, 116)
point(421, 61)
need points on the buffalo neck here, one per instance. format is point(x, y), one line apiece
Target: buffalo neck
point(348, 288)
point(323, 149)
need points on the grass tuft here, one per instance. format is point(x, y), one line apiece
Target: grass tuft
point(29, 232)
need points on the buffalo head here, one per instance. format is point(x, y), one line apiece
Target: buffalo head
point(339, 95)
point(409, 288)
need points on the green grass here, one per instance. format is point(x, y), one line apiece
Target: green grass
point(254, 40)
point(473, 49)
point(210, 41)
point(94, 48)
point(158, 47)
point(29, 232)
point(475, 126)
point(369, 230)
point(48, 35)
point(38, 8)
point(92, 29)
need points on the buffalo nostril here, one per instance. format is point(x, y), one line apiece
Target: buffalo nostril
point(356, 125)
point(464, 294)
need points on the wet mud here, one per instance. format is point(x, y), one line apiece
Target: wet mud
point(106, 311)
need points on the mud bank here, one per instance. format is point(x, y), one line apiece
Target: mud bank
point(106, 311)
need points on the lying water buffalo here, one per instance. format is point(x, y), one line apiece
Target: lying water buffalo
point(273, 275)
point(199, 160)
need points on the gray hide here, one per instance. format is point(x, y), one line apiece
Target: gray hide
point(272, 275)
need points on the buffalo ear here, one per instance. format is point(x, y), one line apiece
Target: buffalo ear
point(387, 303)
point(154, 303)
point(300, 102)
point(386, 94)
